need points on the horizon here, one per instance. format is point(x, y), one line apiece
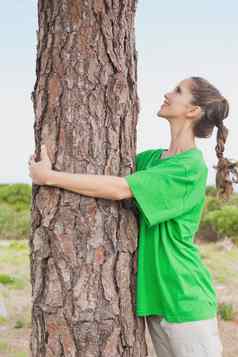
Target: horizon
point(172, 44)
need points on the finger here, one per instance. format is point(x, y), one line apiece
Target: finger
point(44, 153)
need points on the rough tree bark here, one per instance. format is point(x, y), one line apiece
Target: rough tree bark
point(83, 249)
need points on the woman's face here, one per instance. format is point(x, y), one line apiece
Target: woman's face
point(177, 103)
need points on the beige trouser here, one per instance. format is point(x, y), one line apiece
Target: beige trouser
point(185, 339)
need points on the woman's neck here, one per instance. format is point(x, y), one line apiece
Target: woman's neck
point(182, 139)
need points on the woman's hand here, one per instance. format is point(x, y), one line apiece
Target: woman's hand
point(40, 171)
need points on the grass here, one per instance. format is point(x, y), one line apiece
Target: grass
point(10, 351)
point(16, 294)
point(4, 347)
point(222, 264)
point(16, 290)
point(3, 320)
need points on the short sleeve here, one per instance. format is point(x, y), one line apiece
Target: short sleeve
point(142, 158)
point(165, 191)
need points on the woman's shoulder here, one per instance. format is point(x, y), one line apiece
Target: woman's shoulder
point(196, 170)
point(143, 157)
point(195, 163)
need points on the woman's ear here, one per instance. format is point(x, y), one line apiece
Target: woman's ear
point(195, 112)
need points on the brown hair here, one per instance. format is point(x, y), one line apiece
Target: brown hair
point(215, 108)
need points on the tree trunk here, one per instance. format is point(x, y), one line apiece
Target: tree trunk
point(83, 249)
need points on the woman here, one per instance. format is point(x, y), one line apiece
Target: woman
point(174, 289)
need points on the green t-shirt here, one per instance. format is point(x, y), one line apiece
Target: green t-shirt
point(169, 194)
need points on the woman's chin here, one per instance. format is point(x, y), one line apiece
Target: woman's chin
point(161, 113)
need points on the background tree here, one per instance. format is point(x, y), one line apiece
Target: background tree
point(83, 249)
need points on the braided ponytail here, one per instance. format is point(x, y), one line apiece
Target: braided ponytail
point(215, 109)
point(225, 167)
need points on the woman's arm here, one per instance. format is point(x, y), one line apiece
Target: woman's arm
point(102, 186)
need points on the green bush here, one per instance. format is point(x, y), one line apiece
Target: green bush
point(6, 279)
point(16, 195)
point(218, 217)
point(14, 282)
point(212, 204)
point(13, 224)
point(211, 190)
point(18, 246)
point(233, 201)
point(226, 311)
point(224, 221)
point(19, 324)
point(15, 204)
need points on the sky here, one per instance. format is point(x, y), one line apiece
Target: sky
point(174, 41)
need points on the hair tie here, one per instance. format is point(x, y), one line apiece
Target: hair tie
point(218, 124)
